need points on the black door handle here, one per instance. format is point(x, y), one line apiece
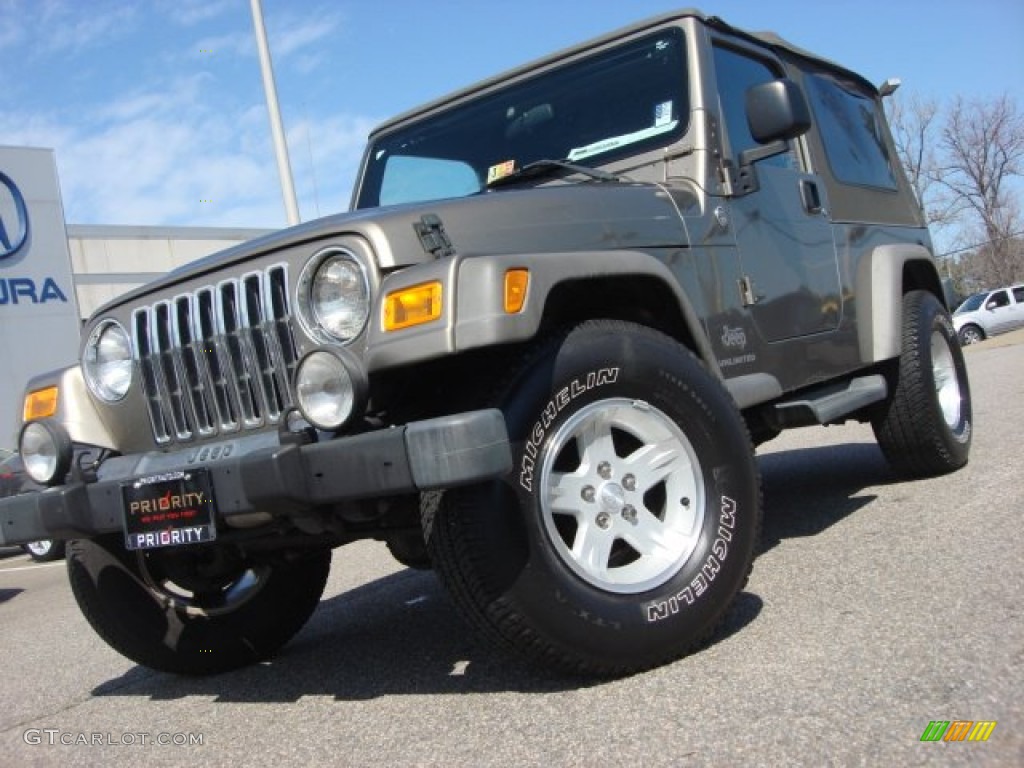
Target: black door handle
point(810, 196)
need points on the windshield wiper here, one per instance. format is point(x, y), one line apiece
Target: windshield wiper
point(541, 168)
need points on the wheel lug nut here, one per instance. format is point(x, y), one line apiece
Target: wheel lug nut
point(685, 501)
point(629, 514)
point(604, 469)
point(588, 493)
point(604, 520)
point(629, 483)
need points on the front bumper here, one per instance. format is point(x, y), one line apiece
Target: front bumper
point(283, 479)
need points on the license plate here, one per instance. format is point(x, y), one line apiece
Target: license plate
point(169, 510)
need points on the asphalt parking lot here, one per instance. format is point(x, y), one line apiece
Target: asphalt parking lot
point(875, 607)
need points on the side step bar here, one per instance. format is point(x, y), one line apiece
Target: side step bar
point(830, 404)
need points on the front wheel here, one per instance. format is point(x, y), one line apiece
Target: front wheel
point(927, 425)
point(199, 611)
point(630, 520)
point(971, 334)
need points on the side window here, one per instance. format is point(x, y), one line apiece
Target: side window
point(736, 74)
point(851, 132)
point(1018, 294)
point(998, 299)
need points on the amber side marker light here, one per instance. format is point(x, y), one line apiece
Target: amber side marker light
point(516, 283)
point(412, 306)
point(40, 404)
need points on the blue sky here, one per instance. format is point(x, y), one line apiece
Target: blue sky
point(155, 107)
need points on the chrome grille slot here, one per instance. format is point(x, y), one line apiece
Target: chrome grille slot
point(219, 359)
point(239, 359)
point(267, 363)
point(147, 358)
point(225, 393)
point(194, 365)
point(168, 367)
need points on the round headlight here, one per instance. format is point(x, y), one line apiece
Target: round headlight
point(46, 451)
point(329, 389)
point(107, 361)
point(335, 294)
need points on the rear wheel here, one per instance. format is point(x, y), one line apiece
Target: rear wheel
point(199, 611)
point(926, 428)
point(630, 520)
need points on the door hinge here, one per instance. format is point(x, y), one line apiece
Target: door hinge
point(747, 295)
point(433, 238)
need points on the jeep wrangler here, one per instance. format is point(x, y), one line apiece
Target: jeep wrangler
point(535, 356)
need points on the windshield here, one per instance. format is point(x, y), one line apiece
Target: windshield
point(623, 101)
point(972, 303)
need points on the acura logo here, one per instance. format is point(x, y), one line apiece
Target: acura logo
point(13, 217)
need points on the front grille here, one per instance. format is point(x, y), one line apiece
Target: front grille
point(219, 359)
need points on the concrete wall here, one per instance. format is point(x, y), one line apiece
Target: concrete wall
point(108, 260)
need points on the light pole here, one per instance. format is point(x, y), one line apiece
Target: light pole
point(284, 168)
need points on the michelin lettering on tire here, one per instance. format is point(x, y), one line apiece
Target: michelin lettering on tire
point(662, 609)
point(579, 386)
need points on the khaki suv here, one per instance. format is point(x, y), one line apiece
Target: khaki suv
point(535, 356)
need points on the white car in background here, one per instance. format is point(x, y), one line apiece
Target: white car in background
point(990, 313)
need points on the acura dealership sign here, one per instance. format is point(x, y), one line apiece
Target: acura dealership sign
point(14, 203)
point(39, 321)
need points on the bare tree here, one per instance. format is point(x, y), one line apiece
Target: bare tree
point(982, 146)
point(915, 125)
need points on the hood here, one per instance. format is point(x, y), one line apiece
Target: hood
point(558, 218)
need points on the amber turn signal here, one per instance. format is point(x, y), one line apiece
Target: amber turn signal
point(41, 404)
point(516, 283)
point(412, 306)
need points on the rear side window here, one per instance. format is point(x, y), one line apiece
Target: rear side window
point(851, 132)
point(1018, 294)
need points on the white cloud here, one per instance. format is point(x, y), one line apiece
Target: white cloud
point(170, 157)
point(188, 13)
point(69, 30)
point(290, 35)
point(177, 149)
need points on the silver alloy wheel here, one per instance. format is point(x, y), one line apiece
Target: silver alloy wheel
point(970, 335)
point(947, 385)
point(40, 548)
point(623, 495)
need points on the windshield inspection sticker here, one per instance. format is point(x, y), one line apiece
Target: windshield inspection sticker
point(500, 171)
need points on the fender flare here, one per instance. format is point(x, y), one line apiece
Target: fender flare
point(473, 303)
point(879, 291)
point(480, 320)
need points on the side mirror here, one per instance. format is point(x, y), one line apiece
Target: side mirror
point(777, 111)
